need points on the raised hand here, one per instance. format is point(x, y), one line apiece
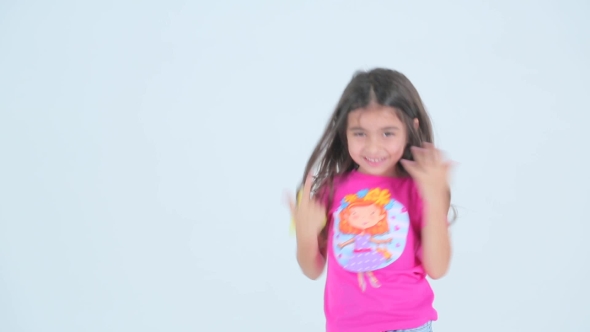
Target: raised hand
point(308, 214)
point(429, 169)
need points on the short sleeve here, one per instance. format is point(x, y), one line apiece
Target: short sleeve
point(323, 196)
point(324, 192)
point(416, 207)
point(416, 210)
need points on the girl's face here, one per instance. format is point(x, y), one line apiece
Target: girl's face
point(363, 217)
point(376, 139)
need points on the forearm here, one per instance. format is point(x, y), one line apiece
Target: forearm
point(436, 246)
point(309, 256)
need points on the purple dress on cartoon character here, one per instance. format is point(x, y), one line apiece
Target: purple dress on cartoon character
point(364, 258)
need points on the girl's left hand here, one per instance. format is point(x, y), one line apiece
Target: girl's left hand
point(429, 169)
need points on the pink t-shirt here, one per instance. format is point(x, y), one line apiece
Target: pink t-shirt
point(375, 281)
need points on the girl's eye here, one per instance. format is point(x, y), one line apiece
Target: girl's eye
point(388, 134)
point(359, 134)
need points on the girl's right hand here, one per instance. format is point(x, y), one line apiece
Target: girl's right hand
point(308, 214)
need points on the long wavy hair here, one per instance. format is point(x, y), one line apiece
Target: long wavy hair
point(382, 86)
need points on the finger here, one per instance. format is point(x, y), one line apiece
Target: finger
point(431, 154)
point(435, 154)
point(453, 164)
point(410, 166)
point(419, 155)
point(291, 203)
point(449, 165)
point(307, 186)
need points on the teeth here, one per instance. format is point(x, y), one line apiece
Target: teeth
point(375, 160)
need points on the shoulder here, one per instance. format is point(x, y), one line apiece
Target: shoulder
point(414, 203)
point(404, 187)
point(330, 189)
point(406, 192)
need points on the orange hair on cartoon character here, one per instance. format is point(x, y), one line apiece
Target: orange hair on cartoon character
point(381, 227)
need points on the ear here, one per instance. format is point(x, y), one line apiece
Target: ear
point(416, 123)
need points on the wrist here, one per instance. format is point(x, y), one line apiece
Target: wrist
point(306, 238)
point(307, 231)
point(436, 192)
point(307, 246)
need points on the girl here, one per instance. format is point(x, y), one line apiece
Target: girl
point(376, 211)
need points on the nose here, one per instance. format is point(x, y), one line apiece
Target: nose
point(373, 144)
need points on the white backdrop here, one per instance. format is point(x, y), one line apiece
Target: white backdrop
point(146, 146)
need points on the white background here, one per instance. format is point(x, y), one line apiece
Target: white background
point(145, 147)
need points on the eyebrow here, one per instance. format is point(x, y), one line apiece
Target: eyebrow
point(386, 128)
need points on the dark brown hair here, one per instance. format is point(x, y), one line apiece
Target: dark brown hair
point(381, 86)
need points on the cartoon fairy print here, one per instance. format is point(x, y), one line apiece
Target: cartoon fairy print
point(364, 220)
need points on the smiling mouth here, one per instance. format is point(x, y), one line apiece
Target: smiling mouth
point(374, 160)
